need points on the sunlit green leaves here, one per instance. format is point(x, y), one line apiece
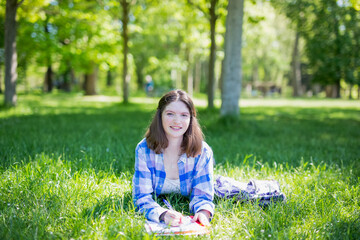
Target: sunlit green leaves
point(267, 44)
point(331, 32)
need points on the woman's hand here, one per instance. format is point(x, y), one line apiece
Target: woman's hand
point(172, 218)
point(203, 216)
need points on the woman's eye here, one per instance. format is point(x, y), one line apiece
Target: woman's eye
point(169, 114)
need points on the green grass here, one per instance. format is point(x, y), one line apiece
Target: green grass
point(67, 164)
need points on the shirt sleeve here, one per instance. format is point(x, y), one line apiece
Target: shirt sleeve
point(142, 187)
point(202, 194)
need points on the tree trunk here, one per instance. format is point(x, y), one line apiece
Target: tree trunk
point(125, 20)
point(296, 68)
point(197, 76)
point(10, 52)
point(1, 76)
point(67, 76)
point(350, 90)
point(331, 91)
point(140, 76)
point(109, 78)
point(212, 57)
point(189, 72)
point(338, 47)
point(48, 84)
point(232, 62)
point(90, 82)
point(72, 79)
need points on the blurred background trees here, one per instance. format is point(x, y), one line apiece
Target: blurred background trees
point(329, 30)
point(297, 47)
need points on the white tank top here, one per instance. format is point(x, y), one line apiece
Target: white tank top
point(171, 186)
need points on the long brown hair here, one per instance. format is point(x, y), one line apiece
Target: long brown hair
point(193, 137)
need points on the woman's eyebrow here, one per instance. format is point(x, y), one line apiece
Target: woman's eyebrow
point(174, 111)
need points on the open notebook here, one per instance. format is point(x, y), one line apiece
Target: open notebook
point(189, 227)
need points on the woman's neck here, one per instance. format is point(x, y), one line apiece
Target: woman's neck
point(174, 145)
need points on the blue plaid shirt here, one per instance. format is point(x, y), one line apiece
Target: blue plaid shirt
point(196, 180)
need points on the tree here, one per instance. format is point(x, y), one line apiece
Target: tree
point(125, 37)
point(351, 51)
point(332, 44)
point(10, 51)
point(324, 46)
point(2, 36)
point(232, 62)
point(266, 48)
point(212, 13)
point(193, 49)
point(125, 21)
point(49, 75)
point(165, 40)
point(212, 57)
point(330, 30)
point(87, 36)
point(299, 14)
point(296, 68)
point(90, 80)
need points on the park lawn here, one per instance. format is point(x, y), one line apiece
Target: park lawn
point(67, 164)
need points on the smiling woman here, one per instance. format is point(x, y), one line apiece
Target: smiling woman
point(173, 158)
point(175, 119)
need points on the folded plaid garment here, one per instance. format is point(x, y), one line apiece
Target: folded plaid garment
point(261, 191)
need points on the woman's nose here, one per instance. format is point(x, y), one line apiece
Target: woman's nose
point(176, 119)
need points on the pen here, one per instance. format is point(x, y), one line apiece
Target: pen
point(168, 204)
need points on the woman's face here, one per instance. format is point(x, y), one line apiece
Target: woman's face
point(175, 119)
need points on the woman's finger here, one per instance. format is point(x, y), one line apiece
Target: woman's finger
point(202, 218)
point(196, 216)
point(173, 218)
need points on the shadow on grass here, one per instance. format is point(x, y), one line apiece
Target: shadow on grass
point(111, 204)
point(285, 135)
point(348, 228)
point(104, 137)
point(99, 138)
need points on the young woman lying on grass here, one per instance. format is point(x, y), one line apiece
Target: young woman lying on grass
point(173, 158)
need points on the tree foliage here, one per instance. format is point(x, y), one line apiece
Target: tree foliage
point(267, 45)
point(332, 43)
point(180, 43)
point(331, 33)
point(212, 10)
